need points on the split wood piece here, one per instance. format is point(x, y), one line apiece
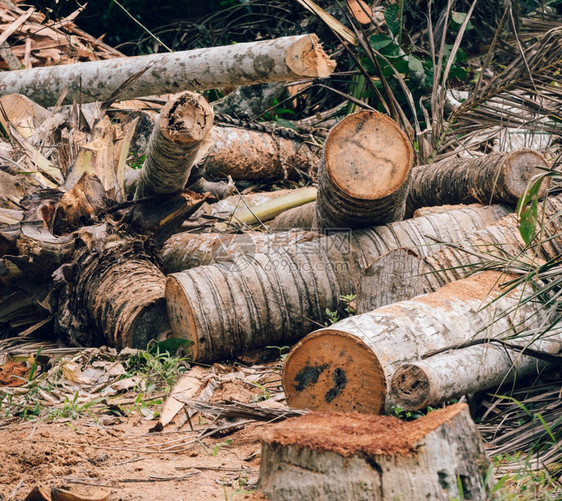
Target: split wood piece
point(22, 113)
point(245, 154)
point(362, 178)
point(188, 250)
point(277, 298)
point(463, 371)
point(104, 156)
point(348, 366)
point(184, 123)
point(413, 273)
point(277, 60)
point(493, 178)
point(349, 457)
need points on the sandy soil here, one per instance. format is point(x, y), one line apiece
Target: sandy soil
point(126, 460)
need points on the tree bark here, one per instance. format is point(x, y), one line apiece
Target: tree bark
point(393, 277)
point(276, 298)
point(348, 366)
point(485, 247)
point(493, 178)
point(463, 371)
point(352, 457)
point(245, 154)
point(184, 251)
point(362, 178)
point(184, 123)
point(117, 299)
point(278, 60)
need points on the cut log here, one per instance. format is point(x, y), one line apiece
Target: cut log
point(249, 101)
point(362, 178)
point(184, 123)
point(351, 457)
point(493, 178)
point(463, 371)
point(277, 298)
point(117, 299)
point(278, 60)
point(245, 154)
point(483, 247)
point(188, 250)
point(348, 366)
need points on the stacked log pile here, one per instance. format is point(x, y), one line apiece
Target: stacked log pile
point(99, 256)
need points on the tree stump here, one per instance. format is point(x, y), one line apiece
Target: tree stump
point(353, 457)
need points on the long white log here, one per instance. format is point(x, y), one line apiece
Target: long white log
point(282, 59)
point(348, 366)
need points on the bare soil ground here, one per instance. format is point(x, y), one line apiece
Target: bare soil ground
point(126, 459)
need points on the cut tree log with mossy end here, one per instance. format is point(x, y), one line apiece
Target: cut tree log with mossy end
point(184, 123)
point(184, 251)
point(350, 457)
point(348, 366)
point(493, 178)
point(245, 154)
point(463, 371)
point(362, 178)
point(279, 297)
point(278, 60)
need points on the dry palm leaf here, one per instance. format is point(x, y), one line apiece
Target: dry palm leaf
point(525, 96)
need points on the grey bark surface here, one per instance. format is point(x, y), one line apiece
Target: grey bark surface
point(279, 297)
point(393, 277)
point(351, 457)
point(493, 178)
point(396, 334)
point(189, 250)
point(444, 265)
point(277, 60)
point(183, 125)
point(249, 101)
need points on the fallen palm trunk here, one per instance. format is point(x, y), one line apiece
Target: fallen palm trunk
point(174, 144)
point(245, 154)
point(278, 60)
point(348, 366)
point(347, 457)
point(493, 178)
point(463, 371)
point(276, 298)
point(362, 178)
point(403, 274)
point(118, 300)
point(188, 250)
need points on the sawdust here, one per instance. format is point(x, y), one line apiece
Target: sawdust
point(351, 434)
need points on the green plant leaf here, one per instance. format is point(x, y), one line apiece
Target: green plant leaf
point(527, 211)
point(392, 18)
point(380, 41)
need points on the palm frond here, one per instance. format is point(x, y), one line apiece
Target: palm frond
point(526, 97)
